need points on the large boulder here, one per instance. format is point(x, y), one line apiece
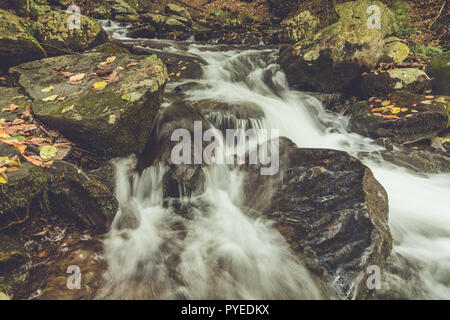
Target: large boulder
point(180, 180)
point(17, 43)
point(332, 212)
point(439, 71)
point(376, 84)
point(61, 189)
point(403, 117)
point(110, 114)
point(114, 9)
point(57, 38)
point(302, 26)
point(176, 10)
point(337, 55)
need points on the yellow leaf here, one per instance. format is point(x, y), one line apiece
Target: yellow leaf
point(48, 89)
point(2, 180)
point(99, 85)
point(51, 98)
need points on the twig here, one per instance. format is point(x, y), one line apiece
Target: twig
point(440, 12)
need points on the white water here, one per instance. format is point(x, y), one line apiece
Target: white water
point(222, 252)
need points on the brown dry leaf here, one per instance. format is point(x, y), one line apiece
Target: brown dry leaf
point(3, 170)
point(38, 161)
point(77, 77)
point(12, 169)
point(385, 103)
point(378, 114)
point(113, 77)
point(103, 73)
point(134, 63)
point(13, 107)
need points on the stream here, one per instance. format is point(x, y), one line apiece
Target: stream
point(223, 252)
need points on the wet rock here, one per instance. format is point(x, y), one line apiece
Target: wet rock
point(12, 255)
point(62, 189)
point(181, 179)
point(419, 160)
point(405, 79)
point(142, 32)
point(337, 55)
point(395, 50)
point(110, 48)
point(110, 122)
point(54, 35)
point(10, 96)
point(336, 102)
point(24, 186)
point(302, 26)
point(402, 117)
point(17, 41)
point(73, 193)
point(439, 71)
point(332, 212)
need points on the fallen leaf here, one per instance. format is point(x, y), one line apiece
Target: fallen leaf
point(100, 85)
point(48, 89)
point(13, 107)
point(2, 180)
point(134, 63)
point(126, 97)
point(47, 152)
point(51, 98)
point(77, 77)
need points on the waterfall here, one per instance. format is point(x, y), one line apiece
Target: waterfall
point(224, 252)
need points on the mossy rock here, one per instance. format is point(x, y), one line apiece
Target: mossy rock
point(17, 42)
point(405, 79)
point(395, 50)
point(402, 117)
point(111, 122)
point(439, 71)
point(10, 96)
point(63, 189)
point(176, 10)
point(337, 55)
point(114, 9)
point(57, 38)
point(302, 26)
point(22, 188)
point(74, 194)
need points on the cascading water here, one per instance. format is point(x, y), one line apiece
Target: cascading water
point(222, 251)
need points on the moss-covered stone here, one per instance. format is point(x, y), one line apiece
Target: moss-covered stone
point(114, 9)
point(57, 38)
point(112, 122)
point(338, 54)
point(22, 188)
point(75, 194)
point(395, 50)
point(405, 79)
point(302, 26)
point(17, 43)
point(439, 71)
point(63, 189)
point(402, 117)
